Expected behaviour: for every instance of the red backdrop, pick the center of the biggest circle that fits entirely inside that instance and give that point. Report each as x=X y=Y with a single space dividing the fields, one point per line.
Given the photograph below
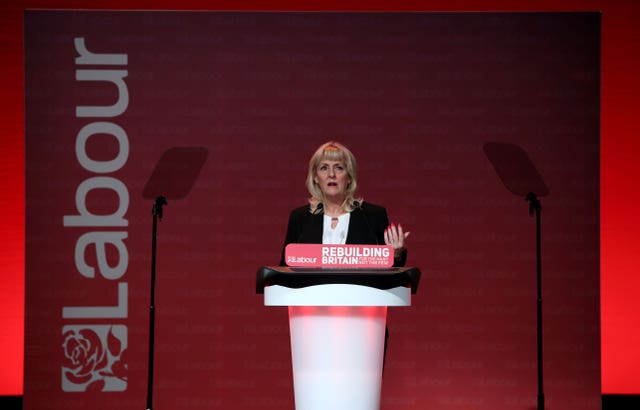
x=414 y=95
x=618 y=228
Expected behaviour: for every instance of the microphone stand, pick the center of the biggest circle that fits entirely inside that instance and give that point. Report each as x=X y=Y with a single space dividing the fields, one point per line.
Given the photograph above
x=535 y=207
x=157 y=214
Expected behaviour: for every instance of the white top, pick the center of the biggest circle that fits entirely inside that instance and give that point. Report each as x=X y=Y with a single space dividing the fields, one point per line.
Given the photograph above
x=337 y=235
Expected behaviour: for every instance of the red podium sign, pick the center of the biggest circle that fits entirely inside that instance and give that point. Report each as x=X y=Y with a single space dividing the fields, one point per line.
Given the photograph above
x=338 y=256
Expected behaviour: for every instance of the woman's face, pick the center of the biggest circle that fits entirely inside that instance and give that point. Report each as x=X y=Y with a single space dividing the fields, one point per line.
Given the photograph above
x=333 y=179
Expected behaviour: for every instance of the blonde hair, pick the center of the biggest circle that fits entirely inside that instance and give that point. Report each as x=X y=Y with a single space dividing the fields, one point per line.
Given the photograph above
x=332 y=151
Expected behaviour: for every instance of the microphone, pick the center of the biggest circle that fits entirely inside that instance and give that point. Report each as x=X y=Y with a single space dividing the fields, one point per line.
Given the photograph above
x=318 y=208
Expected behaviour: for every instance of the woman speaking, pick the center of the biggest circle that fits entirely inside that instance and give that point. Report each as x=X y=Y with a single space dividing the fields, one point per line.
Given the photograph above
x=334 y=215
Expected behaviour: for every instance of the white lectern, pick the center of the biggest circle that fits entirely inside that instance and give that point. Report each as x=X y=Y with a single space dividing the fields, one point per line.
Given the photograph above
x=337 y=320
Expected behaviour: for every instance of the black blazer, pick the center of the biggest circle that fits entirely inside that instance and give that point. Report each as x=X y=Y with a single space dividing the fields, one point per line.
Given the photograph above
x=366 y=227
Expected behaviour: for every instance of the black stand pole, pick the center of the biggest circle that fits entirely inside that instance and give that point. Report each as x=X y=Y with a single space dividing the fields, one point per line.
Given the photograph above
x=157 y=214
x=534 y=206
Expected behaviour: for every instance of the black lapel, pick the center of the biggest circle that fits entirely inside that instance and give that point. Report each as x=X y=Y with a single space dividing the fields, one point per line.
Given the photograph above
x=358 y=233
x=312 y=232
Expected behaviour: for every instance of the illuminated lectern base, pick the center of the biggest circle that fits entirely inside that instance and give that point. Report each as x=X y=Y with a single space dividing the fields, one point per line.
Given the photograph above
x=337 y=331
x=337 y=356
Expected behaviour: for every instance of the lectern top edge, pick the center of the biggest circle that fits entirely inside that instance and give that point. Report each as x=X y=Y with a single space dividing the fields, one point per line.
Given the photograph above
x=299 y=278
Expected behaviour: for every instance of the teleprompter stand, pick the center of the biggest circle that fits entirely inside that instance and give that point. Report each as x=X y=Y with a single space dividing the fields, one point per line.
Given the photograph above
x=521 y=177
x=157 y=214
x=173 y=178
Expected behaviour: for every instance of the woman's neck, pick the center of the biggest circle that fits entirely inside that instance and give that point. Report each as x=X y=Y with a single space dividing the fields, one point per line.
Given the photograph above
x=333 y=208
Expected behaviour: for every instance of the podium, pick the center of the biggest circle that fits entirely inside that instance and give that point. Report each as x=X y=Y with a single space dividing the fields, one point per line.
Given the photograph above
x=337 y=321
